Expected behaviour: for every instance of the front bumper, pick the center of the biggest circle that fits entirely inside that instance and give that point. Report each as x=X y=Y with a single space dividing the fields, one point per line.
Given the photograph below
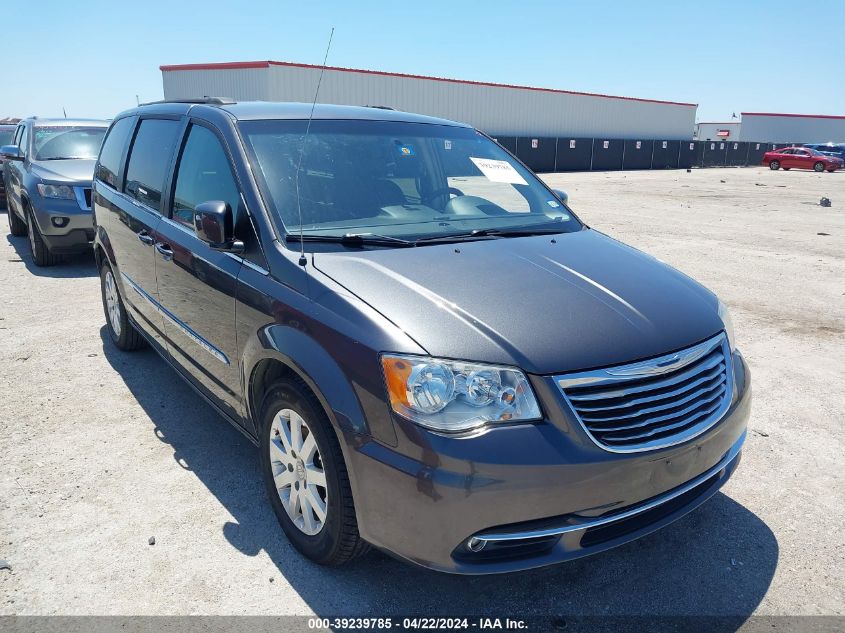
x=534 y=494
x=76 y=235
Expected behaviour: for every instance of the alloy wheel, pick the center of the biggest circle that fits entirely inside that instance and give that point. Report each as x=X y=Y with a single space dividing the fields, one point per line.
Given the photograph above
x=112 y=303
x=30 y=226
x=298 y=471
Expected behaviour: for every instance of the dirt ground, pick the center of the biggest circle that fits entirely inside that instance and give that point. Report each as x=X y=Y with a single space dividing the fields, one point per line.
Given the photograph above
x=102 y=450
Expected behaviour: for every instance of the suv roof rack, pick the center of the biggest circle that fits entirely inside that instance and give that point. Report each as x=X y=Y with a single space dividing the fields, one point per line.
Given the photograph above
x=198 y=100
x=380 y=107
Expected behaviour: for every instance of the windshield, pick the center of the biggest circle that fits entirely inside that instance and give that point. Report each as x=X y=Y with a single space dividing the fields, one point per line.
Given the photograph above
x=65 y=141
x=6 y=137
x=396 y=179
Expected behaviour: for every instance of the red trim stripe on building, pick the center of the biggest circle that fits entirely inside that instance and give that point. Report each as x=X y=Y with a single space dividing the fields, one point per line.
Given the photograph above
x=267 y=64
x=799 y=116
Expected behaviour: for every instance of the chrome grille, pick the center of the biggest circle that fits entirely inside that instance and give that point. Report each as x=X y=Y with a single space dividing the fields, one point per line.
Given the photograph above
x=655 y=403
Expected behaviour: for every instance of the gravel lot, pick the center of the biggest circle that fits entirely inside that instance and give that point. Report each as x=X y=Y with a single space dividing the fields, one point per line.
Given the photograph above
x=102 y=450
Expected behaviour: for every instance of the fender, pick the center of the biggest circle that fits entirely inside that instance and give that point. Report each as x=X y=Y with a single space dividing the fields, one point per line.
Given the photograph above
x=314 y=365
x=103 y=246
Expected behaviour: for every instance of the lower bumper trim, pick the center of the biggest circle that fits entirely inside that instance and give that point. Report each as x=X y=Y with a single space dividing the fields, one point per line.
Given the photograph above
x=493 y=536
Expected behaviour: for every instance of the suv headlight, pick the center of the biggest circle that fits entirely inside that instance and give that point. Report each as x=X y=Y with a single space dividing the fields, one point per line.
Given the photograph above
x=725 y=315
x=55 y=191
x=453 y=396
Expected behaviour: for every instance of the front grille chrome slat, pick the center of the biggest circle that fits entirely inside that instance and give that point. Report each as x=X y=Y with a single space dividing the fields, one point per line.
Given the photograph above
x=714 y=373
x=619 y=392
x=654 y=403
x=694 y=415
x=696 y=396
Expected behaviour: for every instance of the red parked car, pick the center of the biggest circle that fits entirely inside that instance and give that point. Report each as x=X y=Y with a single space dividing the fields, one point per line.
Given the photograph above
x=801 y=158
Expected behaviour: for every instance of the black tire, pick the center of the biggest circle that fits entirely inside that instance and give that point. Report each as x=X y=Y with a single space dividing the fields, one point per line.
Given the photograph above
x=774 y=165
x=128 y=339
x=338 y=541
x=41 y=255
x=819 y=166
x=17 y=227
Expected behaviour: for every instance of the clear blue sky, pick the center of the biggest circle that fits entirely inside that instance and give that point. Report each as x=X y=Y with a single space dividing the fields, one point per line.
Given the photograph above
x=93 y=57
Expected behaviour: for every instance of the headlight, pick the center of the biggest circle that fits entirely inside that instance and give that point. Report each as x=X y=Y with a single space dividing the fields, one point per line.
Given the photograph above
x=728 y=323
x=55 y=191
x=447 y=395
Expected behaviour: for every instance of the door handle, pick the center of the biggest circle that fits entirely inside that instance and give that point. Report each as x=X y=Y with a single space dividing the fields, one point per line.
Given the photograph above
x=164 y=250
x=145 y=237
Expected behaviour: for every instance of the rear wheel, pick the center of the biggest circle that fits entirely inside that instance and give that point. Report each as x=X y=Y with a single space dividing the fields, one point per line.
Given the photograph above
x=122 y=332
x=41 y=254
x=17 y=227
x=306 y=478
x=819 y=166
x=774 y=165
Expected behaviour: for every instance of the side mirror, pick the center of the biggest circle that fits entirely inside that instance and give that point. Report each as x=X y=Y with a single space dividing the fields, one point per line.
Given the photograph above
x=561 y=195
x=11 y=152
x=213 y=224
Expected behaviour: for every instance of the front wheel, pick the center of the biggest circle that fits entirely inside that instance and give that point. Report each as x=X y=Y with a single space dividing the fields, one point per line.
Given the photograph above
x=774 y=165
x=17 y=227
x=41 y=254
x=819 y=166
x=306 y=478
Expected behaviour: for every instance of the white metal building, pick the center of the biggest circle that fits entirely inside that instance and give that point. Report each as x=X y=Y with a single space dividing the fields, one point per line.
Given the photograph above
x=716 y=131
x=498 y=109
x=792 y=128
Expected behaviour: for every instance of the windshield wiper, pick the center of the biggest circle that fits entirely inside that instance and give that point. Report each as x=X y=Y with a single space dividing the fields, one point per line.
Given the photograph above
x=351 y=239
x=477 y=233
x=65 y=158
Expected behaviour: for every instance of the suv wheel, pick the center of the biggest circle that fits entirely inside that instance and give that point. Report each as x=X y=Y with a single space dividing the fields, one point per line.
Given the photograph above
x=122 y=332
x=17 y=227
x=41 y=254
x=306 y=477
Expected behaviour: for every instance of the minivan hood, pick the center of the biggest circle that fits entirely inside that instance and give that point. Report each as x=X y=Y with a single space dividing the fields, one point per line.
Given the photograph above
x=547 y=304
x=77 y=170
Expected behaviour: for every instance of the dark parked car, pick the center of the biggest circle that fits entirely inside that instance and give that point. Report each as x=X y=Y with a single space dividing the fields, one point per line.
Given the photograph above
x=47 y=171
x=6 y=134
x=837 y=150
x=800 y=158
x=432 y=353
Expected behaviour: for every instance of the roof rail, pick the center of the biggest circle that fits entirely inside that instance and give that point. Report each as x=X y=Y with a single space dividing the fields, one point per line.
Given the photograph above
x=198 y=100
x=380 y=107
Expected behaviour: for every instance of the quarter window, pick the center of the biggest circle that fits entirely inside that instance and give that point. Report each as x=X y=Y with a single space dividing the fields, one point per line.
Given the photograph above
x=204 y=174
x=108 y=166
x=147 y=169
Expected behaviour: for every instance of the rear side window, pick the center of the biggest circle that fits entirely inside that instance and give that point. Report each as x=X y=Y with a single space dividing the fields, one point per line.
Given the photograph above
x=150 y=159
x=108 y=166
x=203 y=175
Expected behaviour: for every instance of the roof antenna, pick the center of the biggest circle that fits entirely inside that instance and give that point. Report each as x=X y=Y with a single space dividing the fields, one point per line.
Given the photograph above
x=64 y=111
x=302 y=260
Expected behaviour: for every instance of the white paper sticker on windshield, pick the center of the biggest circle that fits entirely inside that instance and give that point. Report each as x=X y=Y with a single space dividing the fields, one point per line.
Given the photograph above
x=498 y=171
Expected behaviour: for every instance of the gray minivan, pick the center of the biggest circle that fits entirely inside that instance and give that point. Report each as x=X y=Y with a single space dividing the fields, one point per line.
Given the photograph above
x=433 y=354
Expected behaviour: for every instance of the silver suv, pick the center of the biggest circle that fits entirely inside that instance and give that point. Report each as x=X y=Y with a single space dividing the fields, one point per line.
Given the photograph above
x=47 y=174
